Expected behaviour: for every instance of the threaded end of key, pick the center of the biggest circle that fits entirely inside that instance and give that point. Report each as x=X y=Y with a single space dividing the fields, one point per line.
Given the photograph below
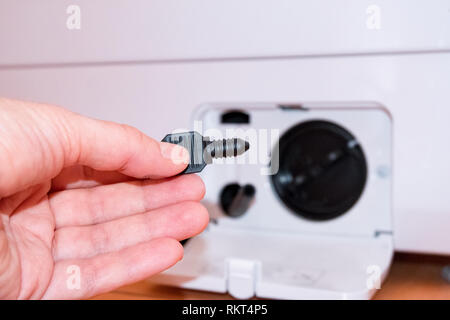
x=227 y=148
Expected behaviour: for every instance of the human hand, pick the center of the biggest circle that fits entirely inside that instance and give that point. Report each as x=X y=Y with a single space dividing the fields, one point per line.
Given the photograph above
x=72 y=199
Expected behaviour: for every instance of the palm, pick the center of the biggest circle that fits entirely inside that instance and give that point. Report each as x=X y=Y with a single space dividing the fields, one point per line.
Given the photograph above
x=30 y=229
x=96 y=230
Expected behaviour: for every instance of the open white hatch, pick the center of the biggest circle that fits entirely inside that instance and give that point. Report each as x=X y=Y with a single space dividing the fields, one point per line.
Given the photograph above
x=271 y=251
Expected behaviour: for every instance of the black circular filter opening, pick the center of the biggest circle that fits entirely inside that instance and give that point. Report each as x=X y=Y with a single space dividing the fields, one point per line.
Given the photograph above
x=322 y=170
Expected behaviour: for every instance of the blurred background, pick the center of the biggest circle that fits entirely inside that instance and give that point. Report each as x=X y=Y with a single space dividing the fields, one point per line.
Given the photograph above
x=152 y=64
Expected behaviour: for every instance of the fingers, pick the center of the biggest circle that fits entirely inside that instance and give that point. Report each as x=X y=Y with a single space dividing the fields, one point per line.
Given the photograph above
x=179 y=221
x=84 y=177
x=83 y=278
x=103 y=203
x=38 y=141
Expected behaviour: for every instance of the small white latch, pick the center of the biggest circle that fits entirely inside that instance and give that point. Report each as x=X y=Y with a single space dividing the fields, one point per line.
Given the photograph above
x=241 y=277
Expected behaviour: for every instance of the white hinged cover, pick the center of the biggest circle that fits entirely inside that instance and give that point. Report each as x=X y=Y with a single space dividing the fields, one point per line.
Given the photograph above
x=270 y=252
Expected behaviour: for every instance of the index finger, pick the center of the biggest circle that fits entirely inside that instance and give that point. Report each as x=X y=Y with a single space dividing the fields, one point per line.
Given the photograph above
x=110 y=146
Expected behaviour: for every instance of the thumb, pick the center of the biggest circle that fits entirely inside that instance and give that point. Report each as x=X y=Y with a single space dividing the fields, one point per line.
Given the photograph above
x=109 y=146
x=38 y=141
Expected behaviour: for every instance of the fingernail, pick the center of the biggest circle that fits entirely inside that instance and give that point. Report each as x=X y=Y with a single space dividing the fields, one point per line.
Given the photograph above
x=176 y=153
